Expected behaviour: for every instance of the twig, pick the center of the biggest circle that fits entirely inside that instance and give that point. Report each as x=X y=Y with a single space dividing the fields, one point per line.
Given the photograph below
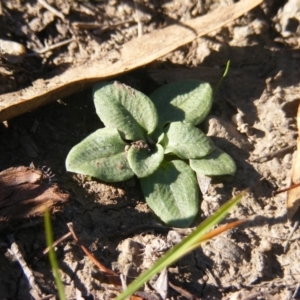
x=293 y=186
x=27 y=271
x=297 y=292
x=138 y=18
x=290 y=236
x=54 y=46
x=273 y=154
x=114 y=277
x=280 y=238
x=58 y=241
x=87 y=25
x=183 y=292
x=53 y=10
x=91 y=26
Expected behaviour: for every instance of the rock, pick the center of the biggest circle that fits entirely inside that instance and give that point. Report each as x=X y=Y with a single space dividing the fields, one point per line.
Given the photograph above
x=13 y=52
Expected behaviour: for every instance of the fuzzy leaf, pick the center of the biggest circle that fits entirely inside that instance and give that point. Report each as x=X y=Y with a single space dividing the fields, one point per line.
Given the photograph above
x=172 y=193
x=101 y=155
x=123 y=108
x=158 y=134
x=186 y=101
x=143 y=161
x=214 y=164
x=186 y=141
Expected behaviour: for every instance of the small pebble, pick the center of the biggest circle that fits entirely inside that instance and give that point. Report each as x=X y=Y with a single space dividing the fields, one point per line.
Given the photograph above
x=265 y=246
x=13 y=52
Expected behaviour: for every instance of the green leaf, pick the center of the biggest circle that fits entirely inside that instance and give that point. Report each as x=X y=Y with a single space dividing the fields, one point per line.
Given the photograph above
x=101 y=155
x=172 y=193
x=143 y=160
x=186 y=141
x=123 y=108
x=157 y=134
x=216 y=163
x=187 y=101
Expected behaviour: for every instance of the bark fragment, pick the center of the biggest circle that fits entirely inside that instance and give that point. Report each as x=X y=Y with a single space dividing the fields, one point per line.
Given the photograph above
x=25 y=193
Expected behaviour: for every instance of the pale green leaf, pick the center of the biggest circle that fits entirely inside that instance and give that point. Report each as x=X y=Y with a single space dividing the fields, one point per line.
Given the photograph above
x=144 y=161
x=172 y=193
x=186 y=141
x=101 y=155
x=186 y=101
x=214 y=164
x=123 y=108
x=157 y=134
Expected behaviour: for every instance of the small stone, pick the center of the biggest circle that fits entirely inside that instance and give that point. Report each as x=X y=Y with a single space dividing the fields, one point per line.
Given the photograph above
x=13 y=52
x=173 y=237
x=229 y=250
x=265 y=246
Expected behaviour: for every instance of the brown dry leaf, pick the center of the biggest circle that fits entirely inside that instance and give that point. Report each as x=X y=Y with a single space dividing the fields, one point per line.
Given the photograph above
x=136 y=298
x=293 y=195
x=25 y=193
x=136 y=53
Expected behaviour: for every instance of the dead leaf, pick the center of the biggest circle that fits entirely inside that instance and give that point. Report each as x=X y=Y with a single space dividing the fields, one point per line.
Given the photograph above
x=26 y=193
x=161 y=284
x=136 y=53
x=293 y=195
x=203 y=182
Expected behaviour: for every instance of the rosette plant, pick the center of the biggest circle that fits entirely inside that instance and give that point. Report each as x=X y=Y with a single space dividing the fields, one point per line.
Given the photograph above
x=154 y=138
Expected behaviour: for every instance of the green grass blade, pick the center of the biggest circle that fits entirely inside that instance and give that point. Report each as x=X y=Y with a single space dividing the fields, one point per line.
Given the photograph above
x=215 y=232
x=224 y=74
x=181 y=249
x=227 y=69
x=52 y=256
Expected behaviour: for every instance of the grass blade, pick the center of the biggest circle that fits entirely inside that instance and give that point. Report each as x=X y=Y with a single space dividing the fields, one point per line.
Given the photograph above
x=52 y=256
x=188 y=244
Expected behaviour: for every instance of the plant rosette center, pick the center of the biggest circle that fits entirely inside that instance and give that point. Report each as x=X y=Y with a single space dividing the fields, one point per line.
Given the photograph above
x=156 y=139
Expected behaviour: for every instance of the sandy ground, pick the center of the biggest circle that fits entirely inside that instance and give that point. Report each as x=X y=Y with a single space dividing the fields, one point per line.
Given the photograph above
x=256 y=261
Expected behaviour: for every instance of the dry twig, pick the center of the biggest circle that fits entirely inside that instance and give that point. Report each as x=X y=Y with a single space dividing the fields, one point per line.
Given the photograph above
x=27 y=271
x=187 y=295
x=58 y=241
x=112 y=276
x=138 y=18
x=275 y=153
x=54 y=46
x=52 y=9
x=296 y=225
x=103 y=28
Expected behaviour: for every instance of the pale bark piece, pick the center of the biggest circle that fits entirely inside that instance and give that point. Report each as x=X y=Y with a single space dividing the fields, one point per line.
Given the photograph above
x=293 y=195
x=136 y=53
